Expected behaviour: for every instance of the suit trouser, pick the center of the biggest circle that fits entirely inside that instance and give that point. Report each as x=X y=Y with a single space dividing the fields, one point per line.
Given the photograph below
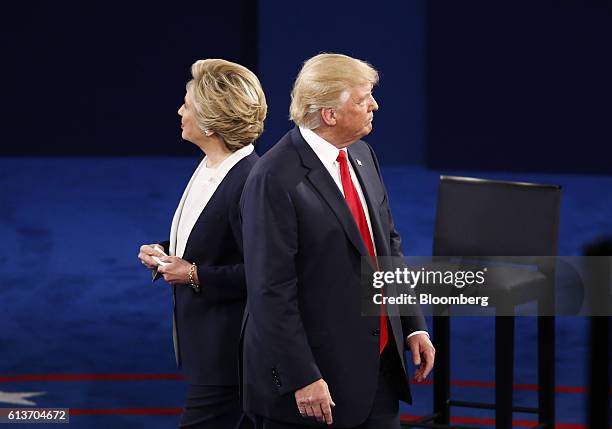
x=213 y=407
x=385 y=409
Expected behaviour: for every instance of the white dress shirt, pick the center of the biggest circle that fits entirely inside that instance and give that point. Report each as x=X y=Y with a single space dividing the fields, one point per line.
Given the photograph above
x=328 y=154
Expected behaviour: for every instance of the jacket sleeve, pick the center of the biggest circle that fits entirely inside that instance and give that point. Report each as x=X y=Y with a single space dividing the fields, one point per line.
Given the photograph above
x=270 y=240
x=226 y=282
x=166 y=245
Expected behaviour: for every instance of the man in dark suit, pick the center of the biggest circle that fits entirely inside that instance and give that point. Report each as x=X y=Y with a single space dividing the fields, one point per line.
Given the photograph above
x=312 y=211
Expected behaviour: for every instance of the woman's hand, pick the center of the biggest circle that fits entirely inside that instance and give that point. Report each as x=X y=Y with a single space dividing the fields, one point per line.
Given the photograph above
x=148 y=250
x=176 y=271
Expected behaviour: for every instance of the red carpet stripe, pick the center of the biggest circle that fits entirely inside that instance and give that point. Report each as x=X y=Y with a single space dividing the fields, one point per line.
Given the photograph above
x=115 y=411
x=405 y=418
x=491 y=422
x=89 y=377
x=491 y=385
x=143 y=377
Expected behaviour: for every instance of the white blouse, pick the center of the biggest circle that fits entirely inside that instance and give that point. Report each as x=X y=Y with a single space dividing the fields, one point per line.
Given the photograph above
x=197 y=194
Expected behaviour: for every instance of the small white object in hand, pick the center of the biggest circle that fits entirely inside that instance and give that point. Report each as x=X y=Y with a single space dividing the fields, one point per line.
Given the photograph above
x=156 y=259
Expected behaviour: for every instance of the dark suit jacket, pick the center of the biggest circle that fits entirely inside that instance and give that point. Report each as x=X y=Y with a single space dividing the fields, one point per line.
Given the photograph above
x=303 y=254
x=207 y=324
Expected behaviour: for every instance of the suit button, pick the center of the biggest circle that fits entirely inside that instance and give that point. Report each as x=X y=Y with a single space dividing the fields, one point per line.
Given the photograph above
x=376 y=332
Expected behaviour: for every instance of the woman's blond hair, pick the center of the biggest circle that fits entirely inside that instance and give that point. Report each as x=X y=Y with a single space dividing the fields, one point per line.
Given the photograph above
x=324 y=82
x=228 y=99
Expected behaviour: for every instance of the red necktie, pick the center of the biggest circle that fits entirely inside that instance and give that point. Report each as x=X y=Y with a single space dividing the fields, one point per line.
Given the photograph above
x=352 y=200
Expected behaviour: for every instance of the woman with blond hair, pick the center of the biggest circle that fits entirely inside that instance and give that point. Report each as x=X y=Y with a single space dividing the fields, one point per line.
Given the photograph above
x=222 y=114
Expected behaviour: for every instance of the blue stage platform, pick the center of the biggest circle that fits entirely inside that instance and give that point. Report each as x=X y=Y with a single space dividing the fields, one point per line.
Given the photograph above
x=80 y=316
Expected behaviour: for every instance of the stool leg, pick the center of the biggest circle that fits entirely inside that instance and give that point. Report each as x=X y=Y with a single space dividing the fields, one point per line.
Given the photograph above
x=599 y=398
x=504 y=371
x=546 y=370
x=441 y=328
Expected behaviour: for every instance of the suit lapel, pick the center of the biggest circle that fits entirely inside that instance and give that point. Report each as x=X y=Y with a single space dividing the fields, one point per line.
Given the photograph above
x=327 y=188
x=369 y=179
x=332 y=195
x=172 y=252
x=363 y=171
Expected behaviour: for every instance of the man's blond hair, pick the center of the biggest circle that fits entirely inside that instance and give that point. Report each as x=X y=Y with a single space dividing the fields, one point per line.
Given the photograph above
x=324 y=82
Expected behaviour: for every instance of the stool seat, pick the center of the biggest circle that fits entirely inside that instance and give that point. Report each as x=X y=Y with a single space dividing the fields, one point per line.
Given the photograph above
x=514 y=286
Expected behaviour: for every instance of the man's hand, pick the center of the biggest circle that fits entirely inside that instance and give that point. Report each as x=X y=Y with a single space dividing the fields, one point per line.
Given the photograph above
x=315 y=401
x=423 y=355
x=176 y=272
x=148 y=250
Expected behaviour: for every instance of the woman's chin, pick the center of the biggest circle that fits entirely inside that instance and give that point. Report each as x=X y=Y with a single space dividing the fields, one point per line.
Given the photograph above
x=184 y=136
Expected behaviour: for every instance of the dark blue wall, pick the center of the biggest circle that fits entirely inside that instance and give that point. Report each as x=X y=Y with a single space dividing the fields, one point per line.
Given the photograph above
x=107 y=77
x=389 y=37
x=464 y=85
x=519 y=86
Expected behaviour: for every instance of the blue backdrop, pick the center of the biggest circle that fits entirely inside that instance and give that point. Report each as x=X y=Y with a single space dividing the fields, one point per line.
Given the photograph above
x=519 y=86
x=481 y=85
x=390 y=38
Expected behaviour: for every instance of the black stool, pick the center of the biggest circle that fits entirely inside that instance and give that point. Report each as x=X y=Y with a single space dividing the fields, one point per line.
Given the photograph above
x=484 y=219
x=599 y=356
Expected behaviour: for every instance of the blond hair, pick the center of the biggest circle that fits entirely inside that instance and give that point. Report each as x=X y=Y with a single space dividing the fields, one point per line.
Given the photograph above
x=228 y=99
x=324 y=82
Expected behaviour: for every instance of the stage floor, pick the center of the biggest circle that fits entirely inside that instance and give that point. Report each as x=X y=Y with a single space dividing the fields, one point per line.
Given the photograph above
x=80 y=314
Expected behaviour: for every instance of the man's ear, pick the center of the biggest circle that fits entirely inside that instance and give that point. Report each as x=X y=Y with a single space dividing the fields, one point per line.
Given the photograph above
x=328 y=116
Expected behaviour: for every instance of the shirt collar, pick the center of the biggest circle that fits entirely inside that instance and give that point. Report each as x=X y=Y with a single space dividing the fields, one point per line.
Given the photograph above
x=327 y=152
x=221 y=171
